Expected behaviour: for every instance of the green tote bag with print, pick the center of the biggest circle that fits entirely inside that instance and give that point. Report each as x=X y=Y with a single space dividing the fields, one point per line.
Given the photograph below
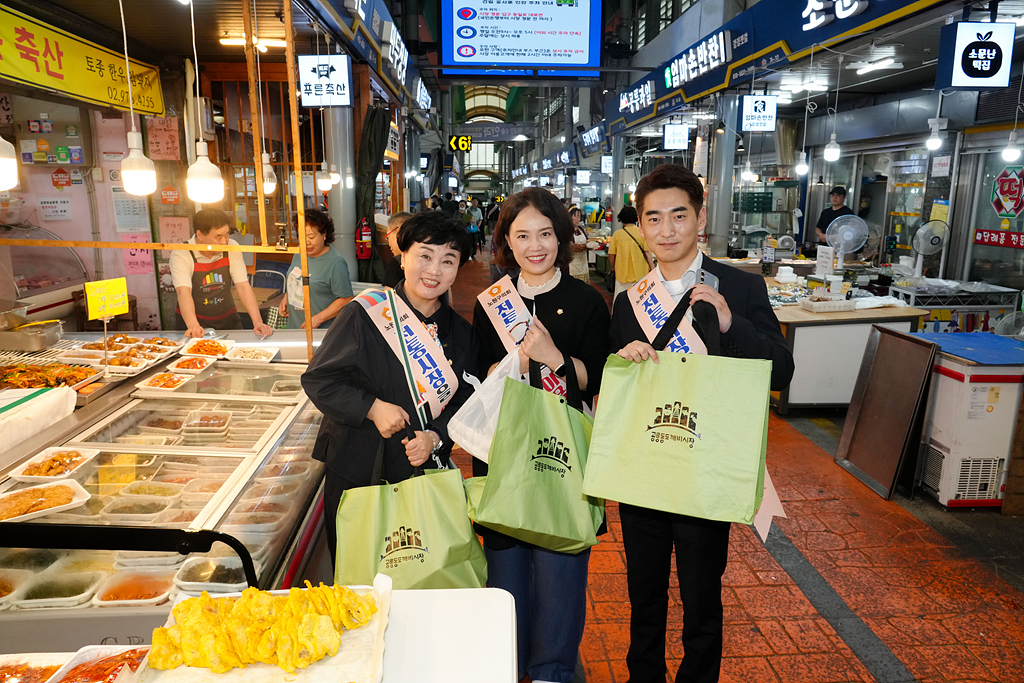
x=686 y=435
x=416 y=531
x=533 y=488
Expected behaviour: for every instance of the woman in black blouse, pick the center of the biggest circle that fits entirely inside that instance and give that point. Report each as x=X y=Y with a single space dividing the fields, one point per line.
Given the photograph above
x=535 y=233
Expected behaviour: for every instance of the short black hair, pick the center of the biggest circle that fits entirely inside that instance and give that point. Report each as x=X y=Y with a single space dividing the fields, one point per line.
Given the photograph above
x=322 y=222
x=551 y=207
x=210 y=219
x=839 y=190
x=447 y=195
x=627 y=215
x=435 y=227
x=574 y=211
x=668 y=177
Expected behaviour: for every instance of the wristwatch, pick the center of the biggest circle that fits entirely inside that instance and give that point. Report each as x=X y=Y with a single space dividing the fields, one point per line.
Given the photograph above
x=560 y=370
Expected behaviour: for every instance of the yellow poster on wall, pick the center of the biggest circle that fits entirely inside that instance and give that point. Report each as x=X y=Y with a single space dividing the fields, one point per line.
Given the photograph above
x=41 y=55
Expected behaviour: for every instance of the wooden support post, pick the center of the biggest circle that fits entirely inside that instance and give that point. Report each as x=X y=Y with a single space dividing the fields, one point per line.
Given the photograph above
x=254 y=127
x=293 y=101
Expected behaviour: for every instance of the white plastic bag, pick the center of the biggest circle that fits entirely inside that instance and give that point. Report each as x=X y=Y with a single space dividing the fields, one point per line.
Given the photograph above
x=472 y=427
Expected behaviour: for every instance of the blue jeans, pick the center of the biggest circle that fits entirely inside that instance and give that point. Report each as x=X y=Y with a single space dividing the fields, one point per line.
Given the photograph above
x=550 y=590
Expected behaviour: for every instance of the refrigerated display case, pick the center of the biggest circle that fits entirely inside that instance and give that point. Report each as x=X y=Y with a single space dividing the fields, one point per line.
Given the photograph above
x=41 y=278
x=226 y=453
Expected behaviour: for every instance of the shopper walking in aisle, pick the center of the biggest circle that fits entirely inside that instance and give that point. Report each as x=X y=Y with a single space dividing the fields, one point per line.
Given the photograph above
x=393 y=270
x=202 y=281
x=359 y=383
x=579 y=267
x=478 y=224
x=449 y=205
x=628 y=256
x=329 y=285
x=535 y=233
x=670 y=204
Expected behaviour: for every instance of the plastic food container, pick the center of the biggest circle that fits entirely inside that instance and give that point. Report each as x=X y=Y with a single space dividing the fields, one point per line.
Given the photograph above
x=184 y=364
x=201 y=490
x=293 y=471
x=239 y=411
x=152 y=489
x=125 y=460
x=10 y=581
x=252 y=354
x=134 y=509
x=86 y=453
x=190 y=348
x=286 y=387
x=280 y=504
x=30 y=559
x=176 y=477
x=81 y=357
x=83 y=563
x=164 y=381
x=93 y=653
x=178 y=518
x=53 y=590
x=163 y=425
x=270 y=490
x=207 y=422
x=147 y=558
x=148 y=439
x=135 y=588
x=85 y=513
x=78 y=497
x=214 y=574
x=253 y=522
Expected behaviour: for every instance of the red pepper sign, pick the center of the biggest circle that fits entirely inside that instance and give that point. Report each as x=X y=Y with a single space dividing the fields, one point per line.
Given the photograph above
x=1008 y=192
x=999 y=238
x=61 y=178
x=169 y=195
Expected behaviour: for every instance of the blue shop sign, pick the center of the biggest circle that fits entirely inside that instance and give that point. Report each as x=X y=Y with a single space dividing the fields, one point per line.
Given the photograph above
x=770 y=33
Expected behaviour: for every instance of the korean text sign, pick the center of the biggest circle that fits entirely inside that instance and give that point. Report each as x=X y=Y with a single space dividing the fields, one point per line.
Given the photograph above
x=326 y=81
x=37 y=54
x=106 y=298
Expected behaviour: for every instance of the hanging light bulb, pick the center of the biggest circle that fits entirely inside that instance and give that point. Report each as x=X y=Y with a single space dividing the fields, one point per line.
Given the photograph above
x=934 y=142
x=349 y=181
x=1012 y=151
x=832 y=149
x=323 y=178
x=204 y=182
x=335 y=176
x=747 y=174
x=801 y=165
x=138 y=174
x=269 y=177
x=8 y=165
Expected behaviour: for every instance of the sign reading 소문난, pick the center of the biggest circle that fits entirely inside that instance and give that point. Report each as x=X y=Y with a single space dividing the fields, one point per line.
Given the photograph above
x=975 y=55
x=43 y=56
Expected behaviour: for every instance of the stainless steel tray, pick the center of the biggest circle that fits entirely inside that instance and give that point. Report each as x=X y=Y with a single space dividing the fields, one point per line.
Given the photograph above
x=31 y=339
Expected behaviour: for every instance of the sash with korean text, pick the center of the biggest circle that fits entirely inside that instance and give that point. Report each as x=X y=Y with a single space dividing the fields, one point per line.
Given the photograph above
x=652 y=305
x=436 y=381
x=511 y=319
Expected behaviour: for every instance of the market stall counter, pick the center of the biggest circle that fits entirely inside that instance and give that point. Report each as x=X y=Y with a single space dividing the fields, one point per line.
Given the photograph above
x=828 y=348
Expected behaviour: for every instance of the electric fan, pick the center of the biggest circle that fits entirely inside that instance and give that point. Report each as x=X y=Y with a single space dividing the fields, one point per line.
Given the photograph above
x=846 y=235
x=928 y=240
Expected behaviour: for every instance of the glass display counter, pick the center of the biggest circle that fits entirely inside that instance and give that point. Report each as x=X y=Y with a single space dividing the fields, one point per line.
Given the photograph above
x=237 y=464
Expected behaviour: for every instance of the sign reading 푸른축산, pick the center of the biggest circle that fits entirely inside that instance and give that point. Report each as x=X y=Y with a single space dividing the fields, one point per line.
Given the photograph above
x=40 y=55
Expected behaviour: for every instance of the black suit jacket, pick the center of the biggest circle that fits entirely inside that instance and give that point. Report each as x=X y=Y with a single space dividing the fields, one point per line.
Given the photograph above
x=754 y=332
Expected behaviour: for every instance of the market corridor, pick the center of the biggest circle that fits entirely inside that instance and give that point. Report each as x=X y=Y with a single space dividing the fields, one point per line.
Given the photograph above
x=850 y=587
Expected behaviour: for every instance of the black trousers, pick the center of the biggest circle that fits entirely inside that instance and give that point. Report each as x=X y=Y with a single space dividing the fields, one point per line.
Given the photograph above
x=334 y=486
x=702 y=551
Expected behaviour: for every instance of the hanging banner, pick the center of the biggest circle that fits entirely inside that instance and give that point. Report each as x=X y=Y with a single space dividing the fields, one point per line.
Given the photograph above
x=40 y=55
x=1008 y=192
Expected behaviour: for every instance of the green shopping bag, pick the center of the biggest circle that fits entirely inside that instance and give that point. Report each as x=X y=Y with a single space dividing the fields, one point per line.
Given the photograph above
x=416 y=531
x=533 y=488
x=687 y=435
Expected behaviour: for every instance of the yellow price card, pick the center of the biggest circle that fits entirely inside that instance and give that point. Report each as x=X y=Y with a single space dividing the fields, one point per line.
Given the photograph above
x=106 y=298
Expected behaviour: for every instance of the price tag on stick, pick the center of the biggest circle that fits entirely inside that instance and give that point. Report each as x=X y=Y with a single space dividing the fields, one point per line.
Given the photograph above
x=106 y=298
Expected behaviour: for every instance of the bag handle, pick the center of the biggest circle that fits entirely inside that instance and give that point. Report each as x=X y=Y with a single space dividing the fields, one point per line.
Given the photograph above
x=705 y=317
x=572 y=383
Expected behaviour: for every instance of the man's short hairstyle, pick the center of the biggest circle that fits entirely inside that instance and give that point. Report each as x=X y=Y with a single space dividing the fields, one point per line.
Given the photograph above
x=550 y=207
x=448 y=195
x=839 y=190
x=323 y=224
x=627 y=215
x=210 y=219
x=668 y=177
x=397 y=219
x=435 y=227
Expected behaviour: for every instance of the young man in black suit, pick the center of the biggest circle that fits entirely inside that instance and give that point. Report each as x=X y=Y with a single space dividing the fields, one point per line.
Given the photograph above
x=670 y=203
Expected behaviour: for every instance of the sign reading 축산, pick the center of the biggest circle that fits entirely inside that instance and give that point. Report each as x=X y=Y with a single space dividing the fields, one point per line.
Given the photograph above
x=37 y=54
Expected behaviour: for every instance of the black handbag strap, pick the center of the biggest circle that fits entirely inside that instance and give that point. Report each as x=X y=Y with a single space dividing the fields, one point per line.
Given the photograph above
x=377 y=478
x=572 y=383
x=642 y=252
x=705 y=321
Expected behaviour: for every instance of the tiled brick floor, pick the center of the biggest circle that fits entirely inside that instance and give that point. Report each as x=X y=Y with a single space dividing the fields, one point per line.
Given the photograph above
x=945 y=617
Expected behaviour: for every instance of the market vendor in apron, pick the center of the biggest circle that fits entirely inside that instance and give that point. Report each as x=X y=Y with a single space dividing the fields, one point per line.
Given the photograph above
x=203 y=280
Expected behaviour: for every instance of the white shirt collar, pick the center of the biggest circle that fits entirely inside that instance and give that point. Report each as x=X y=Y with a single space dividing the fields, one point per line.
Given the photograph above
x=676 y=288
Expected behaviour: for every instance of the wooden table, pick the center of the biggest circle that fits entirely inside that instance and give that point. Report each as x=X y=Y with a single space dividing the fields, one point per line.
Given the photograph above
x=828 y=349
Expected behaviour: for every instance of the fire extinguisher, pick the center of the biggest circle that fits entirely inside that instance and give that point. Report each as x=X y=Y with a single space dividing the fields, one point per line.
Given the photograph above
x=364 y=236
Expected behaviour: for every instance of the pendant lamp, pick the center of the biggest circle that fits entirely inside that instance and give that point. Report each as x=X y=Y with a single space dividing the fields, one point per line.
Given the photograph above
x=335 y=176
x=323 y=178
x=8 y=165
x=269 y=177
x=138 y=174
x=801 y=165
x=203 y=183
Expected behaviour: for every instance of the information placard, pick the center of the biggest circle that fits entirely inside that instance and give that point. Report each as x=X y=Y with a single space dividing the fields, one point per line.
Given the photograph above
x=106 y=298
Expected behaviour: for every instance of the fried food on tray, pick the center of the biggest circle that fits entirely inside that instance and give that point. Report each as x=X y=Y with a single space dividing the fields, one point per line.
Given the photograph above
x=109 y=344
x=123 y=360
x=192 y=363
x=26 y=673
x=291 y=631
x=160 y=341
x=27 y=501
x=166 y=380
x=124 y=339
x=59 y=463
x=42 y=376
x=207 y=347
